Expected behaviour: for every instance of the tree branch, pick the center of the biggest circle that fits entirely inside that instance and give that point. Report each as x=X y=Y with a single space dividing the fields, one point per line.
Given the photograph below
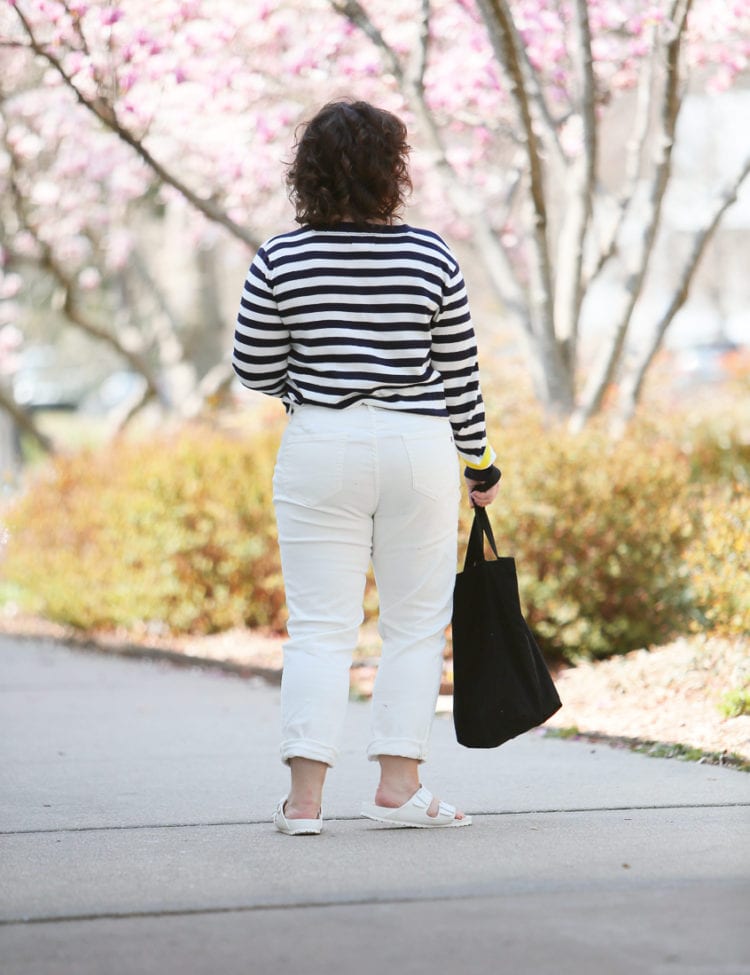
x=570 y=252
x=105 y=113
x=122 y=415
x=48 y=262
x=25 y=422
x=604 y=369
x=632 y=383
x=214 y=384
x=633 y=159
x=356 y=14
x=99 y=332
x=539 y=109
x=424 y=47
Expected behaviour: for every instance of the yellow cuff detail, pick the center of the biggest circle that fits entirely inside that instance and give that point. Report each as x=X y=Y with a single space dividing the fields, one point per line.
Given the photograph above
x=488 y=459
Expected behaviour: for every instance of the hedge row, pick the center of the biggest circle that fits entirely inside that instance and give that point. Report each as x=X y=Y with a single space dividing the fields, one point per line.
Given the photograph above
x=618 y=545
x=178 y=530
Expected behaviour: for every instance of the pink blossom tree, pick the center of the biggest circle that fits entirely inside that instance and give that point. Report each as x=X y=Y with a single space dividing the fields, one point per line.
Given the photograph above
x=112 y=111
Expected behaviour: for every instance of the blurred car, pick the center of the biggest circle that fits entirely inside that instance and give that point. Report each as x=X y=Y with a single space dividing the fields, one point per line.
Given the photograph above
x=119 y=387
x=710 y=362
x=43 y=381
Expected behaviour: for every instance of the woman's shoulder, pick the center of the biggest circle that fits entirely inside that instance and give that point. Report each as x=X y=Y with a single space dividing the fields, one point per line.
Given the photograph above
x=425 y=232
x=282 y=245
x=285 y=238
x=433 y=240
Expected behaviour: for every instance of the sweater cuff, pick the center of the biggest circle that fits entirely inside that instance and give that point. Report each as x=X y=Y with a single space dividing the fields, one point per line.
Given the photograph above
x=486 y=460
x=484 y=480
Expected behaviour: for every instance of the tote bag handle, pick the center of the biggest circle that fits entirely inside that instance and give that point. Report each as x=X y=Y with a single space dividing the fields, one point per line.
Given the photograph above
x=479 y=529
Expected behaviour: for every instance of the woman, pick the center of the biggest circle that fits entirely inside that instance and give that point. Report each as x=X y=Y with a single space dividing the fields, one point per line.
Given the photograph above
x=360 y=325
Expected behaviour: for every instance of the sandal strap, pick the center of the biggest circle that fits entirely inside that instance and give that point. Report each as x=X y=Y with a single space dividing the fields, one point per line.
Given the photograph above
x=421 y=798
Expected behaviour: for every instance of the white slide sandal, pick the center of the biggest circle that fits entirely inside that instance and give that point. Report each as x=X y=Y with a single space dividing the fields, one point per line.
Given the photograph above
x=296 y=827
x=414 y=813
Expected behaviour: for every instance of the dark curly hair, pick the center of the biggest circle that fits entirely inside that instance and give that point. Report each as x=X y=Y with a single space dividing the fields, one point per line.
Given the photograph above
x=350 y=164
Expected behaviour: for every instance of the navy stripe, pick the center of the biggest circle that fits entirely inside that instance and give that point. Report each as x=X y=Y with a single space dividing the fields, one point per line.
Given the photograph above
x=349 y=273
x=401 y=362
x=355 y=290
x=310 y=341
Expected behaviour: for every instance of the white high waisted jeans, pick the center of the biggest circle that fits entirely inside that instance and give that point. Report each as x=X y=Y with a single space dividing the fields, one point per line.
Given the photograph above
x=354 y=486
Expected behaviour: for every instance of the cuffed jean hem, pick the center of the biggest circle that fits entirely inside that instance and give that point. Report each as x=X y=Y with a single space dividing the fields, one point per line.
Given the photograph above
x=399 y=747
x=316 y=751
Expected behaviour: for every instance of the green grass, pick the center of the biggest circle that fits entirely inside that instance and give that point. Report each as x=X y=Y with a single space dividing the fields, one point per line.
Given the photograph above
x=656 y=749
x=11 y=593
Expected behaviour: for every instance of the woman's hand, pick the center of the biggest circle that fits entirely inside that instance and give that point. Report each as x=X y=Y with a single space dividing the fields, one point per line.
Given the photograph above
x=481 y=498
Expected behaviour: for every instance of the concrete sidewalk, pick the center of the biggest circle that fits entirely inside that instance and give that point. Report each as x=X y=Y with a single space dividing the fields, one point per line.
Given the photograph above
x=135 y=807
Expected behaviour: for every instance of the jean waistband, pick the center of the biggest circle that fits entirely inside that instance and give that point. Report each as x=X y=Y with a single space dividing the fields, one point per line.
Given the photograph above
x=366 y=418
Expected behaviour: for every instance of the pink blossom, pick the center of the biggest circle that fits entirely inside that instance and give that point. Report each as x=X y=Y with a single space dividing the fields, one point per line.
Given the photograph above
x=89 y=278
x=75 y=62
x=216 y=98
x=127 y=80
x=10 y=285
x=24 y=244
x=111 y=15
x=119 y=243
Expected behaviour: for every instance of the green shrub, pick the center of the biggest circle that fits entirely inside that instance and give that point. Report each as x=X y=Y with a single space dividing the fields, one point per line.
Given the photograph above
x=718 y=450
x=735 y=703
x=177 y=530
x=718 y=561
x=598 y=529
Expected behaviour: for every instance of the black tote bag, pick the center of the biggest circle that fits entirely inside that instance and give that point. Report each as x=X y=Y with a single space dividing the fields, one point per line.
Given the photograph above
x=501 y=684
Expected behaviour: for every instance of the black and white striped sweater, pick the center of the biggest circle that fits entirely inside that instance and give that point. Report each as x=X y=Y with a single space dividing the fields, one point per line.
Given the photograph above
x=372 y=315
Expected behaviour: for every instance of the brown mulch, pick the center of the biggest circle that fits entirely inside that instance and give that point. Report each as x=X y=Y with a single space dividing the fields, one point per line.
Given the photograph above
x=671 y=694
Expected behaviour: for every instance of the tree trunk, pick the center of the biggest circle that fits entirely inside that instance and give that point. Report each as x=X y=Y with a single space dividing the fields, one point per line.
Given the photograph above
x=557 y=382
x=606 y=365
x=578 y=211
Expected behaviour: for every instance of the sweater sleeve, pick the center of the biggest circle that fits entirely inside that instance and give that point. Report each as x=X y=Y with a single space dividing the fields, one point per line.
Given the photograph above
x=261 y=340
x=454 y=356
